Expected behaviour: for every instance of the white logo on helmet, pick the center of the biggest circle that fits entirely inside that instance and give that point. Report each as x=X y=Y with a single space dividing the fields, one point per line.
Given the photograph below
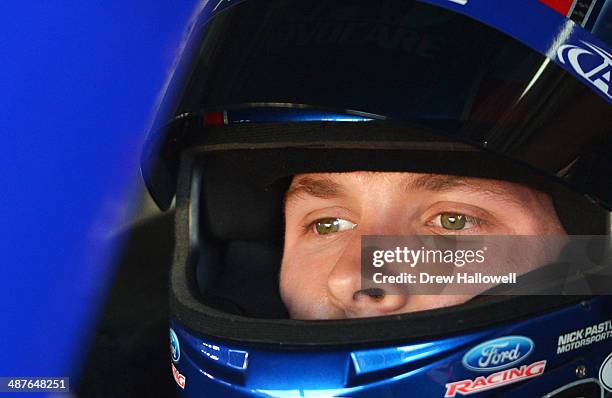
x=592 y=63
x=605 y=373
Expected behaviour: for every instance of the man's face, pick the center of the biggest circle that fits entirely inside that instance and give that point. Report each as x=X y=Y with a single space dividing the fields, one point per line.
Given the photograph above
x=326 y=214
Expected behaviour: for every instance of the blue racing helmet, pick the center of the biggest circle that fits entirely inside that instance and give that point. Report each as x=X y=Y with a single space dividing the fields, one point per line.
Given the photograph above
x=279 y=88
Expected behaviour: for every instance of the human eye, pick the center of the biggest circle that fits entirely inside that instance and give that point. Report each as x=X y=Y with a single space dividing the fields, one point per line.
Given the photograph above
x=456 y=222
x=327 y=226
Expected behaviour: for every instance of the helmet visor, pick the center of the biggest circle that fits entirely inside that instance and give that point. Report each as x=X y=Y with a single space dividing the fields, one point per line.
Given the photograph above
x=408 y=61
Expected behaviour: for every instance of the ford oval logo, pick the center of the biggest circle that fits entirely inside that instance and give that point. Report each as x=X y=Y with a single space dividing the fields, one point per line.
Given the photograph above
x=498 y=354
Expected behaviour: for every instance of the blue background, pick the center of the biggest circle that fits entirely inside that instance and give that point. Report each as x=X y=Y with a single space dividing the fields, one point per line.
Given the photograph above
x=80 y=84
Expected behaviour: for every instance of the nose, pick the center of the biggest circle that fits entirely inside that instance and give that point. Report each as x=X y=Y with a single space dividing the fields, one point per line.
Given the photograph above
x=345 y=287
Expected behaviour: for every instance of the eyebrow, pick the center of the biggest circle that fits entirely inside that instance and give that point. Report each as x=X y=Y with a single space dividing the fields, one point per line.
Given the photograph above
x=445 y=183
x=435 y=183
x=323 y=188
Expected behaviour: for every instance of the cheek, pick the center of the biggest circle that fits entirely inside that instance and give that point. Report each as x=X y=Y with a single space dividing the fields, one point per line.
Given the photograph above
x=529 y=253
x=302 y=283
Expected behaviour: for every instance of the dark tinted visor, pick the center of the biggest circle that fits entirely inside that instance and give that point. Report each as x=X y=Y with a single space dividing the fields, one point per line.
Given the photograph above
x=411 y=62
